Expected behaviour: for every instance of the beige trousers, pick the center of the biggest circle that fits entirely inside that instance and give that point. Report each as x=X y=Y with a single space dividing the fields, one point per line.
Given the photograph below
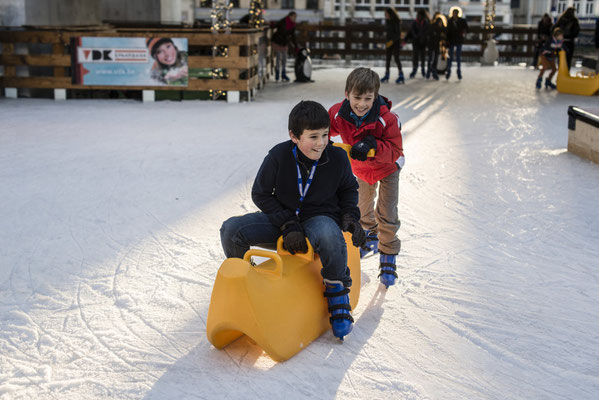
x=383 y=218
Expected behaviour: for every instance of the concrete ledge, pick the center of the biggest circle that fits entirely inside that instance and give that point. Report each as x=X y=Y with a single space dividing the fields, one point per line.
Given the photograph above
x=583 y=133
x=11 y=93
x=233 y=96
x=148 y=96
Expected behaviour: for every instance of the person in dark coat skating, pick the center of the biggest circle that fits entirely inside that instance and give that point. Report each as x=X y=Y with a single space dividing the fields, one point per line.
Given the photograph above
x=568 y=23
x=418 y=36
x=543 y=33
x=282 y=38
x=393 y=43
x=434 y=35
x=457 y=27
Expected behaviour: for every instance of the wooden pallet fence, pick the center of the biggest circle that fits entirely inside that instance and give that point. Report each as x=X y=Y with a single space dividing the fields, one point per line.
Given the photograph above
x=362 y=41
x=241 y=62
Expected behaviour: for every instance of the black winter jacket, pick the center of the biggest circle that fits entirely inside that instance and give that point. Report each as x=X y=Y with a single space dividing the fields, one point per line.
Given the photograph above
x=393 y=30
x=569 y=26
x=284 y=33
x=333 y=192
x=434 y=35
x=418 y=32
x=456 y=30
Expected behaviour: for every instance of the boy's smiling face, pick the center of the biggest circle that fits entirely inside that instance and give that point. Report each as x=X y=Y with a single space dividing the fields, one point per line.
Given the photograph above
x=360 y=103
x=312 y=142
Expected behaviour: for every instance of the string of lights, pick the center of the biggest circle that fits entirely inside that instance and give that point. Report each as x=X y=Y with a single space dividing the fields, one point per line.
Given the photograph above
x=490 y=14
x=221 y=23
x=256 y=14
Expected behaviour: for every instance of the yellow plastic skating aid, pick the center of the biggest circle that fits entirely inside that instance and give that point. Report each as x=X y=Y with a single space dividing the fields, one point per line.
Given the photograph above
x=279 y=303
x=585 y=85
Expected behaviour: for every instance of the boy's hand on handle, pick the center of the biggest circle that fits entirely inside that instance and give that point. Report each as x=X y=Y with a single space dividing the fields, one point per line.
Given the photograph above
x=349 y=224
x=359 y=151
x=294 y=240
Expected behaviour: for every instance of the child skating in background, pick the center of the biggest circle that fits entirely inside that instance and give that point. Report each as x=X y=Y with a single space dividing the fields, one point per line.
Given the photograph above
x=305 y=188
x=365 y=121
x=549 y=53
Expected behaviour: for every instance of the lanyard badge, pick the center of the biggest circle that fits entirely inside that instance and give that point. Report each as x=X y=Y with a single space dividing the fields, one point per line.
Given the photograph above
x=303 y=190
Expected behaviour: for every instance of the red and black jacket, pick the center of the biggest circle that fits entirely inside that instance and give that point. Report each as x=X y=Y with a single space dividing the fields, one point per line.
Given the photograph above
x=381 y=123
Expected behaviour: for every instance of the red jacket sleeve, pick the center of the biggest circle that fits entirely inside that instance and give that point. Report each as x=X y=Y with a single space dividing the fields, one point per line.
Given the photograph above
x=334 y=130
x=389 y=145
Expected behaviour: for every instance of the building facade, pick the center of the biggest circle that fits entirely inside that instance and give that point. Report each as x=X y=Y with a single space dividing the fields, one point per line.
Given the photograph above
x=315 y=11
x=531 y=11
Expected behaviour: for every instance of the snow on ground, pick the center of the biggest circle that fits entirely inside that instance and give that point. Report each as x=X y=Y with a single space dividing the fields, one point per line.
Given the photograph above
x=109 y=246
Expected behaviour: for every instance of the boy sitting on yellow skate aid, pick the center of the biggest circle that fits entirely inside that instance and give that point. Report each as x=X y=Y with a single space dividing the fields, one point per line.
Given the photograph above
x=305 y=188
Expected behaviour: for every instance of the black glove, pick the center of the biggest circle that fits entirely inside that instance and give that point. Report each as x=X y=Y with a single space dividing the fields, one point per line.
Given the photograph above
x=349 y=224
x=359 y=151
x=294 y=240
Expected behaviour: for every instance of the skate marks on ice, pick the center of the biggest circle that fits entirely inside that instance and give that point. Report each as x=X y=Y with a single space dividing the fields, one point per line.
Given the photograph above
x=325 y=369
x=503 y=263
x=121 y=321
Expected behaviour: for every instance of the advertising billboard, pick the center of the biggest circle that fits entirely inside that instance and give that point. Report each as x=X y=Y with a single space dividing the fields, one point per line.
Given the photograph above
x=117 y=61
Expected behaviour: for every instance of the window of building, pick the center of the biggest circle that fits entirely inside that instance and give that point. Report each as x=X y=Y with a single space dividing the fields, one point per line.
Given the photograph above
x=589 y=8
x=206 y=3
x=312 y=5
x=288 y=4
x=561 y=6
x=577 y=6
x=474 y=18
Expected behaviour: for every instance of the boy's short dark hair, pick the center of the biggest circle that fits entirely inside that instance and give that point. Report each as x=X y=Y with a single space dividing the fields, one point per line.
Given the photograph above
x=308 y=114
x=362 y=80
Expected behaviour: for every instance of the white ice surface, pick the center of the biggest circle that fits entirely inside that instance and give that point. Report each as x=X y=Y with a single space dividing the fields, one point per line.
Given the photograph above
x=109 y=245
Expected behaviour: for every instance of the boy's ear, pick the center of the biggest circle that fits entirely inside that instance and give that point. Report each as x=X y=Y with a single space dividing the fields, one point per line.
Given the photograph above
x=293 y=138
x=347 y=95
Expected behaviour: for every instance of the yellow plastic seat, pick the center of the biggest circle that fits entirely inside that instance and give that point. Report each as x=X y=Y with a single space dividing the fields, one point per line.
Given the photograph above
x=279 y=303
x=586 y=85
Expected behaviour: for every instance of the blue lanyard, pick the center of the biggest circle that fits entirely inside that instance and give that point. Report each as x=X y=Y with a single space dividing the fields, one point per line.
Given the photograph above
x=303 y=190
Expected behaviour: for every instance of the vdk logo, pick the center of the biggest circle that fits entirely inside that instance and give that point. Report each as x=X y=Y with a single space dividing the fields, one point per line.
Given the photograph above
x=95 y=55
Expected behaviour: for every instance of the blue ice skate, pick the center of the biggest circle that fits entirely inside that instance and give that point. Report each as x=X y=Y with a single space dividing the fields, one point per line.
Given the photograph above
x=548 y=84
x=539 y=82
x=387 y=267
x=338 y=300
x=400 y=78
x=385 y=78
x=372 y=244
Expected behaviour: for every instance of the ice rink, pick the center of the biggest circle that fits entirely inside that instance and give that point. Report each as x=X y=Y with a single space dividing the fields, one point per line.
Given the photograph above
x=109 y=245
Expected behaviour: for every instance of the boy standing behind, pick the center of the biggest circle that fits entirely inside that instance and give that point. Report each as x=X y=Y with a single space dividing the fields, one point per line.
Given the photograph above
x=365 y=121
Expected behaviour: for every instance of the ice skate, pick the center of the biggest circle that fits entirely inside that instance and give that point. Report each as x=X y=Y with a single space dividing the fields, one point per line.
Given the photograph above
x=338 y=300
x=400 y=78
x=387 y=273
x=385 y=78
x=372 y=244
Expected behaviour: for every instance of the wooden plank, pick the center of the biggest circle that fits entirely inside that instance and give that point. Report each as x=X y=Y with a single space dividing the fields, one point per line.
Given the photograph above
x=8 y=50
x=58 y=50
x=30 y=37
x=193 y=39
x=218 y=62
x=65 y=83
x=44 y=60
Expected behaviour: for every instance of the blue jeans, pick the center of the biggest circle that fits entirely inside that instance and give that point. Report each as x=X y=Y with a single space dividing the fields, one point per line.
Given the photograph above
x=237 y=234
x=458 y=57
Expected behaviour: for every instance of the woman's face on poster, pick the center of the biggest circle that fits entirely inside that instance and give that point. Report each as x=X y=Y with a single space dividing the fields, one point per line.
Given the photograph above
x=166 y=54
